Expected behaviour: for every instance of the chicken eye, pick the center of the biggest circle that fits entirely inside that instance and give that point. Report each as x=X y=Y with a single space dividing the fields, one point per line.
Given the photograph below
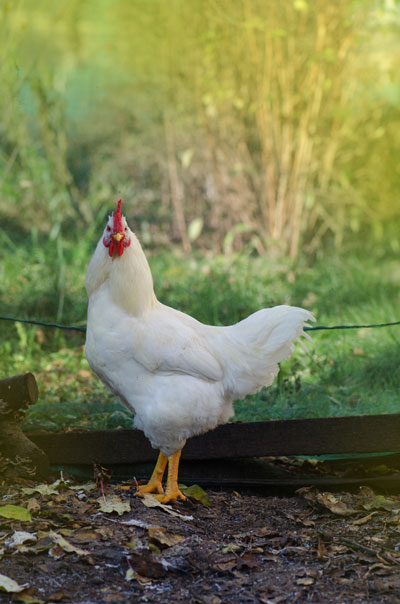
x=108 y=228
x=126 y=228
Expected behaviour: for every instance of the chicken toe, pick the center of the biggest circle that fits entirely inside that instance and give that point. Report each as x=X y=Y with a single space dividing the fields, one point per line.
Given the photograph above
x=155 y=483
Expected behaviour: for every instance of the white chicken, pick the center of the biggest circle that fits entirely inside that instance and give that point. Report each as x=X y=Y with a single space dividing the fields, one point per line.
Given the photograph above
x=178 y=375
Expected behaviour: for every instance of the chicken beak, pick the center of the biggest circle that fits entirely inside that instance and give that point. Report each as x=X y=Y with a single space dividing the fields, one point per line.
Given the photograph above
x=117 y=237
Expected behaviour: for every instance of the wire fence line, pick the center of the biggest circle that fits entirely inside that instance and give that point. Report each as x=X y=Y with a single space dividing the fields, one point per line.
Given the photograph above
x=83 y=329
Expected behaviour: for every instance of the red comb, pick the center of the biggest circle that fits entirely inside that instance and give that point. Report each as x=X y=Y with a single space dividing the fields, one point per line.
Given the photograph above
x=117 y=226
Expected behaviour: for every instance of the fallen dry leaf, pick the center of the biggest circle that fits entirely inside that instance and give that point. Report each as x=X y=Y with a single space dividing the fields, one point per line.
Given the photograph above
x=42 y=489
x=305 y=581
x=65 y=545
x=113 y=503
x=151 y=502
x=20 y=537
x=364 y=519
x=89 y=486
x=146 y=564
x=10 y=586
x=28 y=597
x=33 y=505
x=130 y=574
x=334 y=504
x=248 y=560
x=164 y=538
x=326 y=499
x=224 y=563
x=58 y=595
x=87 y=536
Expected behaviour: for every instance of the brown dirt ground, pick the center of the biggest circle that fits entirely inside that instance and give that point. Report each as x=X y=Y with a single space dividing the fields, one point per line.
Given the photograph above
x=244 y=547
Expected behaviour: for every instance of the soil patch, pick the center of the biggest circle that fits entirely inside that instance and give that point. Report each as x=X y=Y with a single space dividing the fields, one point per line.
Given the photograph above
x=83 y=547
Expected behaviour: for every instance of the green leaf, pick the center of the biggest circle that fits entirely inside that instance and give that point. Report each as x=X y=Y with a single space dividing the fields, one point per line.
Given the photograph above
x=197 y=493
x=15 y=512
x=380 y=502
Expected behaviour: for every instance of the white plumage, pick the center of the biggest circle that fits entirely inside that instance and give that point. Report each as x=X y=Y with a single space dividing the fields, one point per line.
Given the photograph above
x=178 y=375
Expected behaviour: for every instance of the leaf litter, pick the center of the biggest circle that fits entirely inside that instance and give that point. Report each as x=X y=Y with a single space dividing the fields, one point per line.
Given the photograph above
x=85 y=543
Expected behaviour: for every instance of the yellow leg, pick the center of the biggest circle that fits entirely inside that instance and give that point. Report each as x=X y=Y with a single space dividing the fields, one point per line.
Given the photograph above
x=155 y=483
x=172 y=493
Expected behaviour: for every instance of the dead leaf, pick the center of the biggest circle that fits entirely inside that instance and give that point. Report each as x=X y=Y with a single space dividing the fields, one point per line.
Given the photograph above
x=151 y=502
x=231 y=548
x=334 y=504
x=10 y=586
x=164 y=538
x=89 y=486
x=56 y=552
x=65 y=545
x=305 y=581
x=130 y=574
x=113 y=503
x=248 y=560
x=20 y=537
x=225 y=562
x=364 y=519
x=43 y=489
x=327 y=500
x=87 y=536
x=146 y=564
x=57 y=596
x=28 y=597
x=322 y=551
x=33 y=505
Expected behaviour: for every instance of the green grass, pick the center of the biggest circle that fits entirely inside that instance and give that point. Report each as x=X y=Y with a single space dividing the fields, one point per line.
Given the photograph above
x=339 y=373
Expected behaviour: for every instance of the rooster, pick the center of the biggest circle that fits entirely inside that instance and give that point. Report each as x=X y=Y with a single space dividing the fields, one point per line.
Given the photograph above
x=177 y=375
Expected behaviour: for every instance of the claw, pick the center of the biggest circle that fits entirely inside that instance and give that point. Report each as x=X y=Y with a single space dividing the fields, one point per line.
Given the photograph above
x=172 y=492
x=171 y=496
x=150 y=487
x=154 y=485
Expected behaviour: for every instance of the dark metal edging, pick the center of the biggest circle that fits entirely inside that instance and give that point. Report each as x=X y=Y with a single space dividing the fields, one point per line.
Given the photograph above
x=334 y=435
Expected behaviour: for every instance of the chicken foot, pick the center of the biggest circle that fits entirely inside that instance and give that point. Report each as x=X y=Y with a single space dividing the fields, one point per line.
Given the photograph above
x=172 y=492
x=155 y=483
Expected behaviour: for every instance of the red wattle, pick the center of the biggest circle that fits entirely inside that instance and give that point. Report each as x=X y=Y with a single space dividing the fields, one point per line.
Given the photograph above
x=111 y=249
x=121 y=247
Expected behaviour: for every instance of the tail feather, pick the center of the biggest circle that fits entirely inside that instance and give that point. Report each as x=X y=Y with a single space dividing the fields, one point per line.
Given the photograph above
x=260 y=342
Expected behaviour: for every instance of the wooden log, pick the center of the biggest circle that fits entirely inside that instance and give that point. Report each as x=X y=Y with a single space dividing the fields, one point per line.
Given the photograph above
x=19 y=457
x=17 y=392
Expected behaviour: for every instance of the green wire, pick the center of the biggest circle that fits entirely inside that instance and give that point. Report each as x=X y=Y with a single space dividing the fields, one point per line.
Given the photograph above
x=43 y=324
x=319 y=328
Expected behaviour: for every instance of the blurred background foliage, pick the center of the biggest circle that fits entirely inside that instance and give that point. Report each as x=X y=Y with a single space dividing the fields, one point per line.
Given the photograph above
x=224 y=123
x=256 y=146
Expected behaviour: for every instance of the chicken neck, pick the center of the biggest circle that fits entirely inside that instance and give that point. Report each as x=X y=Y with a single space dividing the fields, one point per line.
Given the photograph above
x=128 y=278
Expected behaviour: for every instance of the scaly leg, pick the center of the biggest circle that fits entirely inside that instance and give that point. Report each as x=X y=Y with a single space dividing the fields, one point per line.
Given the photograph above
x=172 y=492
x=155 y=482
